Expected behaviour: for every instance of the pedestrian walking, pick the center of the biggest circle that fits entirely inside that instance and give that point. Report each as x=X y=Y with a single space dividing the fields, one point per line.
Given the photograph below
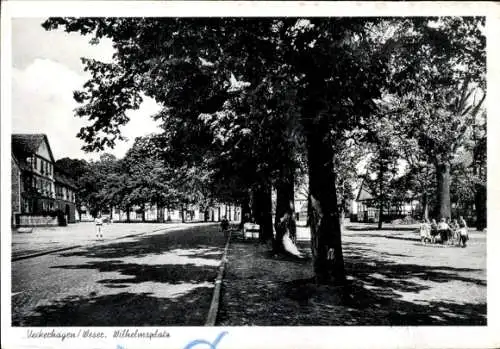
x=98 y=227
x=224 y=226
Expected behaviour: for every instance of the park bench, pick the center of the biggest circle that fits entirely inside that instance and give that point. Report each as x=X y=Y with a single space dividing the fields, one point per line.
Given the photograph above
x=251 y=231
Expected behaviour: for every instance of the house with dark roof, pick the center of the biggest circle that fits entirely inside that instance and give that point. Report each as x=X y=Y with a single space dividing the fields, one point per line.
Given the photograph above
x=39 y=190
x=367 y=210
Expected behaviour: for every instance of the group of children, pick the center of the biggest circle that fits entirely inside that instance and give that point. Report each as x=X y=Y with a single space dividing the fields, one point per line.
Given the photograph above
x=448 y=231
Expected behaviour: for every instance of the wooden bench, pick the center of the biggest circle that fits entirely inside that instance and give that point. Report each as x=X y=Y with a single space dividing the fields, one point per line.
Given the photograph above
x=251 y=231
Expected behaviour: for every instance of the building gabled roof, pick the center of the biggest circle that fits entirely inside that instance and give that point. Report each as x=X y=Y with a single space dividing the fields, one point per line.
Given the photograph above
x=364 y=193
x=29 y=143
x=64 y=179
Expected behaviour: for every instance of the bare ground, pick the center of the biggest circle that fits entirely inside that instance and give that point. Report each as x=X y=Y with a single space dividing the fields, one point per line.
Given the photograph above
x=394 y=280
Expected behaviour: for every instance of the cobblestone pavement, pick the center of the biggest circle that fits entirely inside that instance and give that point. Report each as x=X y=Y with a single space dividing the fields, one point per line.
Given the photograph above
x=163 y=278
x=394 y=281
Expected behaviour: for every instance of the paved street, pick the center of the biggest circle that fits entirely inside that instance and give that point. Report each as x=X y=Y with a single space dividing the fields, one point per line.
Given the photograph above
x=156 y=279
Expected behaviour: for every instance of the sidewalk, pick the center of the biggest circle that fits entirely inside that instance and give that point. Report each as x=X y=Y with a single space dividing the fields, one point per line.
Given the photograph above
x=44 y=239
x=394 y=280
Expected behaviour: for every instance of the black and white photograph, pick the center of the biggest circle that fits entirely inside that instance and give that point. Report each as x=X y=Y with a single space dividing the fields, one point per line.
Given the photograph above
x=233 y=171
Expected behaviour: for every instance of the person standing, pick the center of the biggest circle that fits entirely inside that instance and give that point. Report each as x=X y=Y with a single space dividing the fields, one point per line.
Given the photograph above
x=98 y=227
x=454 y=229
x=464 y=234
x=224 y=226
x=425 y=231
x=443 y=230
x=434 y=230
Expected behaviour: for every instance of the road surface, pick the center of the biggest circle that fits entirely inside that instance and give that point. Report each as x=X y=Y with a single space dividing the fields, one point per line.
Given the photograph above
x=157 y=279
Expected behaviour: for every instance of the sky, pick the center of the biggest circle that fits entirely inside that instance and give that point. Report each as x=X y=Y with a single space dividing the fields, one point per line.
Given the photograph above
x=46 y=69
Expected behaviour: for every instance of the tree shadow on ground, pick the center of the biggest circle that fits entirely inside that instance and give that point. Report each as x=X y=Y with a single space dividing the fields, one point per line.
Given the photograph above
x=123 y=309
x=371 y=228
x=204 y=237
x=380 y=292
x=199 y=248
x=397 y=237
x=137 y=273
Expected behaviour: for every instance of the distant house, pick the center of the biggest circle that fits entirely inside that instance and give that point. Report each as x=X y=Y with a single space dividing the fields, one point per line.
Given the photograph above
x=367 y=210
x=39 y=190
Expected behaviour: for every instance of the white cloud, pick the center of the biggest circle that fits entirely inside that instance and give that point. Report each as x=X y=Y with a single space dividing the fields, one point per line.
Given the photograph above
x=46 y=70
x=42 y=102
x=30 y=41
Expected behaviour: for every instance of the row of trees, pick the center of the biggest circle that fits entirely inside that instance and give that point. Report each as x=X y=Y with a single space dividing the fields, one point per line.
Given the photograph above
x=256 y=104
x=141 y=178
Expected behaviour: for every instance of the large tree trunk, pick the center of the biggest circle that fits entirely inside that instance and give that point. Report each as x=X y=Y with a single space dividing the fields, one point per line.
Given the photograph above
x=143 y=213
x=326 y=242
x=263 y=215
x=481 y=208
x=284 y=205
x=443 y=190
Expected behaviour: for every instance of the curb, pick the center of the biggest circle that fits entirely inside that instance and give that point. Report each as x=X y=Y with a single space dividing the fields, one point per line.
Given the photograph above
x=43 y=253
x=214 y=305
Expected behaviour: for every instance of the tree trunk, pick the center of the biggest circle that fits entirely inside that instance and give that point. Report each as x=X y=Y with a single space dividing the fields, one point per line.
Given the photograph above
x=284 y=205
x=183 y=218
x=309 y=211
x=425 y=207
x=128 y=214
x=263 y=215
x=326 y=242
x=218 y=214
x=245 y=210
x=143 y=213
x=168 y=213
x=382 y=170
x=481 y=208
x=380 y=215
x=443 y=190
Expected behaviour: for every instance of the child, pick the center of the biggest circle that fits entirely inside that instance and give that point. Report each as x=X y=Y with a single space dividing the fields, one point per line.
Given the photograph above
x=98 y=226
x=464 y=234
x=443 y=230
x=434 y=231
x=425 y=232
x=454 y=229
